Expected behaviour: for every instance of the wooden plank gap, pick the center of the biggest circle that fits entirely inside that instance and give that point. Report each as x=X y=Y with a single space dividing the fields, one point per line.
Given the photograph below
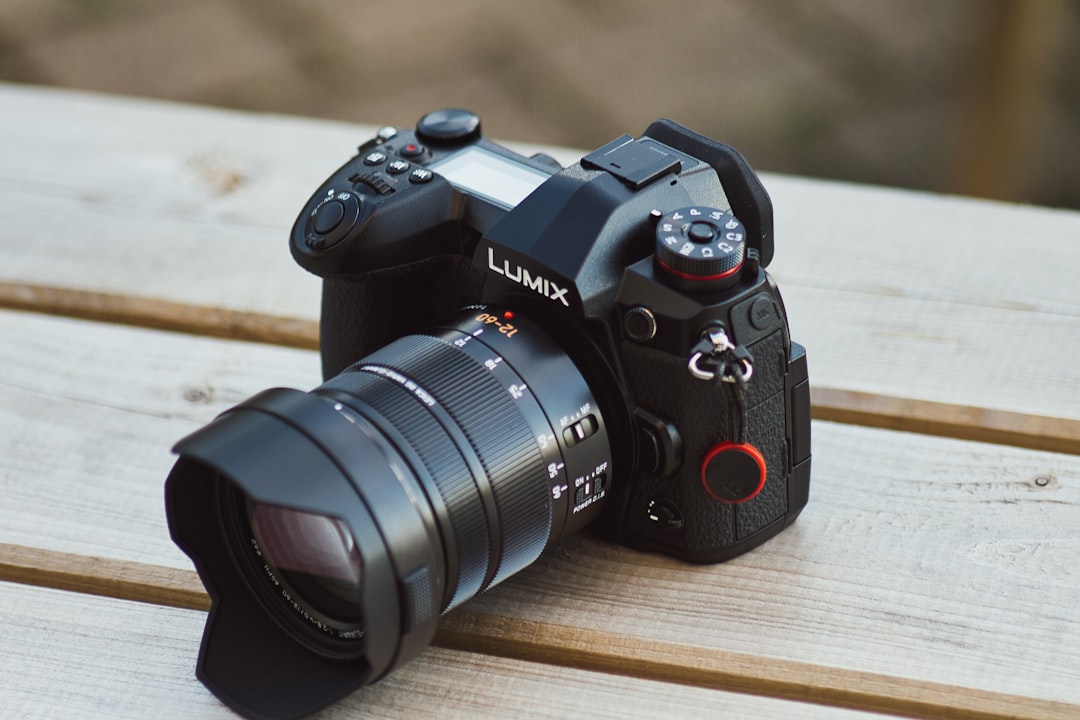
x=964 y=422
x=578 y=648
x=120 y=579
x=961 y=422
x=160 y=314
x=759 y=675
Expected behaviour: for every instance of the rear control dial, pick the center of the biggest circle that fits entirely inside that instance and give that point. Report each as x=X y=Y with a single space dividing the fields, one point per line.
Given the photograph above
x=700 y=248
x=332 y=219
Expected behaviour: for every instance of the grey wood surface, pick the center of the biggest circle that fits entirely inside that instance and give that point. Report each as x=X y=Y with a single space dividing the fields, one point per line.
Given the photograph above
x=929 y=576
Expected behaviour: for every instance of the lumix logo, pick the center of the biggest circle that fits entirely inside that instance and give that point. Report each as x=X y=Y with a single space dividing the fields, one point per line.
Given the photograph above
x=537 y=283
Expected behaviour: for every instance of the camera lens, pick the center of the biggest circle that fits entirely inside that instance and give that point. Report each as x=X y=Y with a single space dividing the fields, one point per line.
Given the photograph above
x=315 y=556
x=332 y=528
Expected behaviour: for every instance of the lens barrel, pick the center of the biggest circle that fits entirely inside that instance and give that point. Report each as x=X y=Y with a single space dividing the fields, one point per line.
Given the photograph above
x=332 y=528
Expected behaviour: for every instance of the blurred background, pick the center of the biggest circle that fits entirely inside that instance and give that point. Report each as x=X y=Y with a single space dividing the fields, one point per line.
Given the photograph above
x=976 y=97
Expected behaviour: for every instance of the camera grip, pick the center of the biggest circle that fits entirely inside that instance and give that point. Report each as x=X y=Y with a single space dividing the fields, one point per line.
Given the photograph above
x=675 y=514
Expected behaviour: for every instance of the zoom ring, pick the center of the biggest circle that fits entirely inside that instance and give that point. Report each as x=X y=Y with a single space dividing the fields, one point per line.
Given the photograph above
x=467 y=536
x=498 y=433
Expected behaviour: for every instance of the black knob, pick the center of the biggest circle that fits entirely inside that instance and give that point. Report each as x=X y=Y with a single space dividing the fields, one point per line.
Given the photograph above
x=448 y=127
x=327 y=217
x=700 y=248
x=639 y=323
x=332 y=219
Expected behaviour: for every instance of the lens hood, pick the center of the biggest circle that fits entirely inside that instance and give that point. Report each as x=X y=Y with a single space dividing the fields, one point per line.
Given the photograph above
x=307 y=453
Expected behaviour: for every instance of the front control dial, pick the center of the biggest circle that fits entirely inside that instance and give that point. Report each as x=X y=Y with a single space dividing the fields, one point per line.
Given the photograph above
x=700 y=248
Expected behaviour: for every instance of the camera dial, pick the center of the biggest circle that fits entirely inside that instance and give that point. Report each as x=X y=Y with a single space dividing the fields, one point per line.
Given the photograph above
x=451 y=125
x=332 y=219
x=700 y=248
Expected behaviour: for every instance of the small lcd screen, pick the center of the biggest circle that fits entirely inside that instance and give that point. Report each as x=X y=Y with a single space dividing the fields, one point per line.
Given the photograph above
x=492 y=176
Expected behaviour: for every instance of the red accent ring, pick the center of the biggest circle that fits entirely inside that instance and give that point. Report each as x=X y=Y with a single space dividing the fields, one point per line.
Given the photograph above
x=699 y=278
x=744 y=448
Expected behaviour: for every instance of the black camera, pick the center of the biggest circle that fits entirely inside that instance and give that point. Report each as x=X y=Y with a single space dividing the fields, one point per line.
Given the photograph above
x=512 y=351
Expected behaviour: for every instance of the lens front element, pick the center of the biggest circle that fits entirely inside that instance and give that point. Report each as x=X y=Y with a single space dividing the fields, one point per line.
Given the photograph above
x=313 y=556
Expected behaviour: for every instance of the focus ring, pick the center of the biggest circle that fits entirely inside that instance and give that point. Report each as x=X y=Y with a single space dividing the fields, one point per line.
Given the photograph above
x=467 y=536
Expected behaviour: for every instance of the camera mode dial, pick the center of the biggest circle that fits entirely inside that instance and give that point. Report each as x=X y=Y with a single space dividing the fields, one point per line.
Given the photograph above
x=700 y=248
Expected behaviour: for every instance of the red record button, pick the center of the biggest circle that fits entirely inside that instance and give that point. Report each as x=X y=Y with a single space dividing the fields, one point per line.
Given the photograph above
x=733 y=472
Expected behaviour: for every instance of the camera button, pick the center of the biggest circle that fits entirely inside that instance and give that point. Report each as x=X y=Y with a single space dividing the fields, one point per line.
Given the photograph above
x=701 y=232
x=375 y=158
x=332 y=220
x=397 y=167
x=763 y=314
x=328 y=217
x=733 y=472
x=412 y=150
x=419 y=176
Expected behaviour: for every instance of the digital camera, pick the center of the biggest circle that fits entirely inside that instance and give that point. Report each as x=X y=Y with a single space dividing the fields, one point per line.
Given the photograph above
x=512 y=351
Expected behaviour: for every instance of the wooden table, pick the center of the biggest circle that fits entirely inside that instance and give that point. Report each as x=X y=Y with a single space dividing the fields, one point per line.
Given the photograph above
x=935 y=572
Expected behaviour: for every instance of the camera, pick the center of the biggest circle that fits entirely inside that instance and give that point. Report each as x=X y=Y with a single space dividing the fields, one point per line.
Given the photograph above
x=512 y=351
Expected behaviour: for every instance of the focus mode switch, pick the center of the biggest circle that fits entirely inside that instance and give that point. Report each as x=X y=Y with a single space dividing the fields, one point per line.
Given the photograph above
x=580 y=430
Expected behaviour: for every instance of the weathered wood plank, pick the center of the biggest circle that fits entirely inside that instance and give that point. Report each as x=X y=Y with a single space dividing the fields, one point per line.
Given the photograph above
x=88 y=413
x=897 y=293
x=744 y=672
x=964 y=422
x=926 y=577
x=915 y=560
x=875 y=409
x=67 y=655
x=161 y=314
x=920 y=563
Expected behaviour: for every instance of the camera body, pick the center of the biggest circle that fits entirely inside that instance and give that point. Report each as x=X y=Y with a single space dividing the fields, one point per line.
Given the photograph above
x=644 y=261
